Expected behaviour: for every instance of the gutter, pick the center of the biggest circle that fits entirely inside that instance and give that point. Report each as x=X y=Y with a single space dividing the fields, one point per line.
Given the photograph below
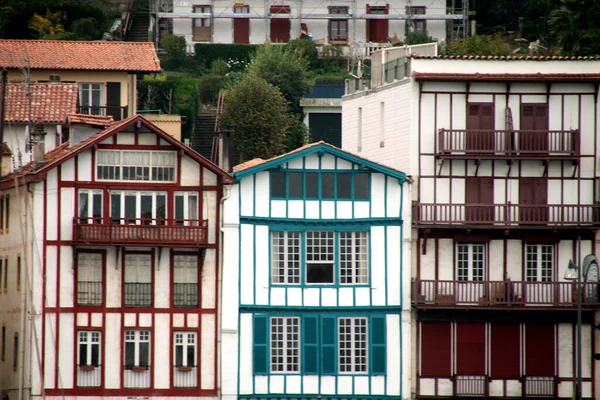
x=220 y=297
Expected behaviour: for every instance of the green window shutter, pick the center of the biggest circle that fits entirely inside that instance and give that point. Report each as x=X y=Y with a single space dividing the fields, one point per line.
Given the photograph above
x=328 y=345
x=310 y=350
x=378 y=353
x=260 y=337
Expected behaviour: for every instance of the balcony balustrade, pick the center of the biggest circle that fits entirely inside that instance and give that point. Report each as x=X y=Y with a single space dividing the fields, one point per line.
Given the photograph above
x=89 y=376
x=89 y=293
x=502 y=294
x=185 y=295
x=508 y=144
x=136 y=376
x=185 y=377
x=117 y=112
x=137 y=294
x=506 y=215
x=482 y=386
x=140 y=232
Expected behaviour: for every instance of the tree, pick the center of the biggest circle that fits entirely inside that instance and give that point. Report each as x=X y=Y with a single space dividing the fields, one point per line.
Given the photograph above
x=574 y=25
x=492 y=45
x=257 y=113
x=48 y=25
x=284 y=68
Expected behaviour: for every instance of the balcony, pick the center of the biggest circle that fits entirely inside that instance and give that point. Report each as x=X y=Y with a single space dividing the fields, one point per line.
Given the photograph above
x=508 y=144
x=505 y=216
x=117 y=112
x=185 y=294
x=481 y=386
x=518 y=295
x=89 y=375
x=140 y=232
x=185 y=377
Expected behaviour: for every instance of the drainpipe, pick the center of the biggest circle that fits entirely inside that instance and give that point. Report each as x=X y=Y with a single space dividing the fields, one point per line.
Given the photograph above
x=220 y=297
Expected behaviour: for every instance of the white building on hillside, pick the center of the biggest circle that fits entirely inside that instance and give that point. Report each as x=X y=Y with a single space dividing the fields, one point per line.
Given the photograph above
x=504 y=152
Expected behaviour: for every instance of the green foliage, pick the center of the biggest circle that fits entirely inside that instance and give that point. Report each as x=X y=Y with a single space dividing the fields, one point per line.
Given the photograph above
x=174 y=46
x=257 y=112
x=86 y=29
x=574 y=25
x=333 y=50
x=285 y=69
x=419 y=38
x=219 y=67
x=492 y=45
x=206 y=53
x=297 y=134
x=308 y=49
x=331 y=79
x=48 y=25
x=209 y=87
x=536 y=21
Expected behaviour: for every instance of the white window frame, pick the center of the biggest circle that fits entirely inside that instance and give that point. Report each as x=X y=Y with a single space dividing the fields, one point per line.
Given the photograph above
x=189 y=213
x=154 y=220
x=285 y=344
x=353 y=337
x=185 y=340
x=137 y=337
x=86 y=209
x=286 y=257
x=354 y=257
x=314 y=240
x=467 y=255
x=89 y=339
x=101 y=89
x=138 y=270
x=536 y=262
x=203 y=21
x=89 y=270
x=150 y=161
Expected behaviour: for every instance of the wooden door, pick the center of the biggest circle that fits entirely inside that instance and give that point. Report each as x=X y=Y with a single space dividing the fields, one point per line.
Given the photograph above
x=113 y=100
x=480 y=126
x=533 y=137
x=377 y=29
x=533 y=192
x=479 y=199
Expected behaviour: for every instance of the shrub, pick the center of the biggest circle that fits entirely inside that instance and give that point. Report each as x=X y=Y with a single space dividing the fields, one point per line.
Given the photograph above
x=308 y=49
x=209 y=87
x=206 y=53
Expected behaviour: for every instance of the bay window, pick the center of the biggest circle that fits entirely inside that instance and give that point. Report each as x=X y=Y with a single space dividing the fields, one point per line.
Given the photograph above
x=130 y=165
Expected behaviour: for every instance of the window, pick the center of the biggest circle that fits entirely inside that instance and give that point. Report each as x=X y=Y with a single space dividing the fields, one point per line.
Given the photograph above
x=185 y=349
x=186 y=208
x=90 y=206
x=319 y=344
x=89 y=349
x=353 y=345
x=137 y=349
x=320 y=257
x=539 y=262
x=320 y=185
x=185 y=280
x=416 y=25
x=16 y=351
x=5 y=275
x=91 y=99
x=338 y=28
x=138 y=280
x=201 y=26
x=19 y=273
x=89 y=279
x=139 y=208
x=470 y=262
x=3 y=344
x=131 y=165
x=4 y=213
x=1 y=272
x=285 y=344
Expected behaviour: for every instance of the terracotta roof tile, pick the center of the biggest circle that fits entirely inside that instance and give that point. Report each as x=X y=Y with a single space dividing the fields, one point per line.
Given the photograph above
x=71 y=55
x=95 y=120
x=574 y=77
x=508 y=58
x=50 y=102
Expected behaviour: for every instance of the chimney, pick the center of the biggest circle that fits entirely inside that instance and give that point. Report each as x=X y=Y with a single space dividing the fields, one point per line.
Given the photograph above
x=38 y=143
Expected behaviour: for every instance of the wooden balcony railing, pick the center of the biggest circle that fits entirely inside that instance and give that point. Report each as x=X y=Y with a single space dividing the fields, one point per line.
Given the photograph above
x=508 y=144
x=506 y=215
x=502 y=294
x=480 y=386
x=140 y=232
x=117 y=112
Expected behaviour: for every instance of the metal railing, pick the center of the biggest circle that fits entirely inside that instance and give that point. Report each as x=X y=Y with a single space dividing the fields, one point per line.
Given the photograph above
x=136 y=376
x=470 y=385
x=539 y=386
x=185 y=295
x=185 y=377
x=137 y=294
x=89 y=293
x=508 y=143
x=89 y=375
x=140 y=231
x=506 y=215
x=117 y=112
x=501 y=294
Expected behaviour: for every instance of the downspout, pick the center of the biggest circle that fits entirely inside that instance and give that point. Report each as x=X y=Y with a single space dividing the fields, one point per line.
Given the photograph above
x=220 y=297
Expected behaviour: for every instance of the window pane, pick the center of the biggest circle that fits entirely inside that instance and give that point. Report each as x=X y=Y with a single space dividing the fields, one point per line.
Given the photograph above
x=343 y=186
x=319 y=273
x=179 y=209
x=97 y=207
x=83 y=352
x=295 y=184
x=129 y=354
x=146 y=208
x=312 y=185
x=161 y=202
x=361 y=186
x=95 y=355
x=277 y=184
x=327 y=185
x=130 y=208
x=144 y=354
x=83 y=206
x=115 y=207
x=178 y=356
x=191 y=355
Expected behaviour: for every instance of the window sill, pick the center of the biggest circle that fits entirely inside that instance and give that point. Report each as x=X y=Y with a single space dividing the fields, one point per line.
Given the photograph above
x=139 y=369
x=184 y=369
x=87 y=367
x=334 y=41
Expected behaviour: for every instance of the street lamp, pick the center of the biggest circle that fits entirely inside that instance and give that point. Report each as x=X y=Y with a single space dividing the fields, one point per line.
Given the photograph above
x=573 y=273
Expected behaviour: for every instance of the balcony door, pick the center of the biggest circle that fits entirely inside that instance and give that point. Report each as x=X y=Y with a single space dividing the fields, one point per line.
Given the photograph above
x=480 y=125
x=280 y=26
x=533 y=200
x=470 y=272
x=138 y=208
x=533 y=137
x=378 y=29
x=201 y=26
x=241 y=25
x=479 y=199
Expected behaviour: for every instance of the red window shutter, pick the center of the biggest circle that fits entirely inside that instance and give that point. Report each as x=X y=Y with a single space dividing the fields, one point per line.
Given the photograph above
x=540 y=350
x=505 y=351
x=436 y=348
x=470 y=348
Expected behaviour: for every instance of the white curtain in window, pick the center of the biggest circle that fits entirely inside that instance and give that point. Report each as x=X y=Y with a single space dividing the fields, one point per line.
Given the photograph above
x=163 y=159
x=136 y=158
x=185 y=269
x=138 y=268
x=89 y=267
x=108 y=157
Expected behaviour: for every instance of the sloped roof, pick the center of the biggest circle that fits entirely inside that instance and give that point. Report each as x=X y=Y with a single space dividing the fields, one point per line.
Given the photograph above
x=94 y=120
x=509 y=58
x=258 y=164
x=63 y=153
x=454 y=77
x=72 y=55
x=50 y=102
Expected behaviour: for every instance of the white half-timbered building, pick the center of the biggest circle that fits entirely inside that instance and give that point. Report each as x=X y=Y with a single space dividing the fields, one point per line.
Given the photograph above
x=317 y=303
x=109 y=254
x=504 y=152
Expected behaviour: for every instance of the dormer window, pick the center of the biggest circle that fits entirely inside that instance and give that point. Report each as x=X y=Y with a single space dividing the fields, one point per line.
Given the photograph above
x=127 y=165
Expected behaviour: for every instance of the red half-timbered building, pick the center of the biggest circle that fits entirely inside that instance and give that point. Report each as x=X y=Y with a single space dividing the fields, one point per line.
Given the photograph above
x=111 y=253
x=504 y=152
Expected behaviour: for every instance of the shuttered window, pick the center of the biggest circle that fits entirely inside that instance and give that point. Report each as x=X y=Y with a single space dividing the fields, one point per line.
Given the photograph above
x=505 y=351
x=436 y=349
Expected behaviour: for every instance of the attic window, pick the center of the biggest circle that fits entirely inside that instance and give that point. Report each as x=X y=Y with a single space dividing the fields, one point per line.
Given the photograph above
x=314 y=185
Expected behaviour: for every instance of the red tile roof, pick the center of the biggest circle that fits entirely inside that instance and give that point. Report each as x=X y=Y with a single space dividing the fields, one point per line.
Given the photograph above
x=574 y=77
x=71 y=55
x=95 y=120
x=50 y=102
x=509 y=58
